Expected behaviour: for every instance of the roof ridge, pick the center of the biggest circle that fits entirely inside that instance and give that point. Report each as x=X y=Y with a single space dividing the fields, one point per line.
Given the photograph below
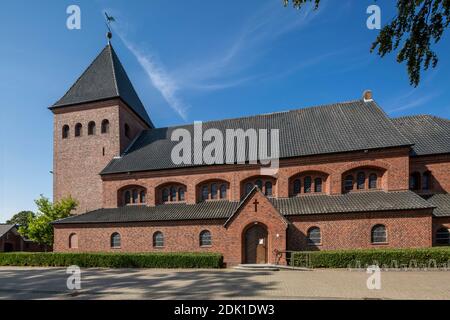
x=113 y=65
x=424 y=115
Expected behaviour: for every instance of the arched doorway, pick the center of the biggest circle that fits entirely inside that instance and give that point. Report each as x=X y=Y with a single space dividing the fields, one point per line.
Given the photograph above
x=255 y=244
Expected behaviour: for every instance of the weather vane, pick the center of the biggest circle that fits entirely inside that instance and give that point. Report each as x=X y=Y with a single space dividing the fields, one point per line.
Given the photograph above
x=109 y=19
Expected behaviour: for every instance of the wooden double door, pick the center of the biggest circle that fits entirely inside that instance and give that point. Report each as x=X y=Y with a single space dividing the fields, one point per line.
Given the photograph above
x=255 y=244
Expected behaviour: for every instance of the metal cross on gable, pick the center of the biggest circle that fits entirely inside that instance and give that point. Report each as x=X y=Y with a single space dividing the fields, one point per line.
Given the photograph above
x=256 y=205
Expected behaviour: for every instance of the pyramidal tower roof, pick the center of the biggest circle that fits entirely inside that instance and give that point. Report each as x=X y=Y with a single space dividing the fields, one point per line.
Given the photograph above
x=105 y=78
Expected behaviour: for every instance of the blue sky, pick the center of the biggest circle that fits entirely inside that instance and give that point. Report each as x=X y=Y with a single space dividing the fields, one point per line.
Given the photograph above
x=193 y=60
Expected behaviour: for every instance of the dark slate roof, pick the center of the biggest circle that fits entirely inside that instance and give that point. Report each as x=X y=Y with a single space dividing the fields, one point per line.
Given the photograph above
x=351 y=202
x=105 y=78
x=304 y=205
x=167 y=212
x=340 y=127
x=442 y=203
x=4 y=228
x=430 y=134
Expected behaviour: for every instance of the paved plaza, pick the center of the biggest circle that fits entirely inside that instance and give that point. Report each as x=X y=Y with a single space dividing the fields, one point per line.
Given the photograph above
x=50 y=283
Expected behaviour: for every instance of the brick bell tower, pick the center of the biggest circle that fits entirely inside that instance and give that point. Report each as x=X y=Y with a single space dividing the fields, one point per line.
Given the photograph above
x=95 y=121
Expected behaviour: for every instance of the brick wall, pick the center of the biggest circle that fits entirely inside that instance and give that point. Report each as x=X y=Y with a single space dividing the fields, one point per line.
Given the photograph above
x=393 y=162
x=405 y=229
x=439 y=166
x=339 y=231
x=77 y=161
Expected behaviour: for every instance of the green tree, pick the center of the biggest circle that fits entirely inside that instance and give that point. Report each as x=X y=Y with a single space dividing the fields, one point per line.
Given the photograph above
x=417 y=25
x=21 y=219
x=40 y=229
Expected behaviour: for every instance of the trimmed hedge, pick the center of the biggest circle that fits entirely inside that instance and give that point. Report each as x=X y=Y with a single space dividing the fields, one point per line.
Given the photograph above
x=384 y=258
x=113 y=260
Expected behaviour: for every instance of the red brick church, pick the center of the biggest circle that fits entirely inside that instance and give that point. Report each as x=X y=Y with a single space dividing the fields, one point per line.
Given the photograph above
x=349 y=177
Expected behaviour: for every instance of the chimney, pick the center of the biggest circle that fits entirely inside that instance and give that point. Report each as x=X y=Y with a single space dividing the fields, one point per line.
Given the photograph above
x=367 y=95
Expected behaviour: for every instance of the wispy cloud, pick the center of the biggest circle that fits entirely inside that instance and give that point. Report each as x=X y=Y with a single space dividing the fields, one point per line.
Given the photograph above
x=412 y=99
x=226 y=67
x=226 y=64
x=160 y=79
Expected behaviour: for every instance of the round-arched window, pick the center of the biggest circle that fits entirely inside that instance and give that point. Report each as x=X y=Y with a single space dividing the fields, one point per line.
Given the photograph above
x=373 y=181
x=73 y=241
x=318 y=185
x=307 y=184
x=158 y=239
x=361 y=180
x=91 y=128
x=115 y=240
x=268 y=189
x=205 y=238
x=297 y=186
x=314 y=236
x=223 y=191
x=379 y=234
x=78 y=128
x=105 y=126
x=65 y=131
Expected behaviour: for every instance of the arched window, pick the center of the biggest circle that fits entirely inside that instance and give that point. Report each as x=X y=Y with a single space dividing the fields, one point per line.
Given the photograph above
x=205 y=193
x=65 y=131
x=115 y=240
x=318 y=185
x=78 y=128
x=268 y=189
x=348 y=183
x=73 y=241
x=259 y=184
x=173 y=194
x=248 y=188
x=443 y=236
x=105 y=126
x=223 y=191
x=158 y=239
x=297 y=186
x=361 y=180
x=127 y=130
x=165 y=195
x=142 y=196
x=181 y=194
x=379 y=234
x=314 y=236
x=426 y=179
x=132 y=195
x=373 y=181
x=135 y=196
x=214 y=191
x=414 y=181
x=91 y=128
x=205 y=238
x=307 y=184
x=127 y=199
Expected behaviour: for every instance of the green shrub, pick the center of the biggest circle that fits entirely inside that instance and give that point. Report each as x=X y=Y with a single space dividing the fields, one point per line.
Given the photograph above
x=385 y=258
x=113 y=260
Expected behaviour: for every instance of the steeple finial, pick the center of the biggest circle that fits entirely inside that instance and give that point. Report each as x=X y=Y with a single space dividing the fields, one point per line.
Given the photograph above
x=109 y=19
